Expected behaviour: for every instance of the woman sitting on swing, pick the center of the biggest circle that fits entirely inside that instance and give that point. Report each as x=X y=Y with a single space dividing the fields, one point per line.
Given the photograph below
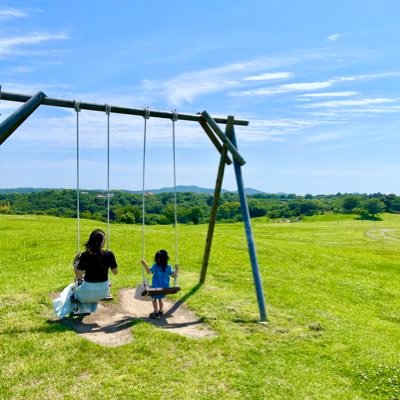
x=91 y=271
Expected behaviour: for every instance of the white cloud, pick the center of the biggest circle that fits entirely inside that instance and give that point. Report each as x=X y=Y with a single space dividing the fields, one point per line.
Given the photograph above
x=290 y=87
x=280 y=129
x=306 y=86
x=188 y=86
x=323 y=137
x=9 y=13
x=10 y=45
x=350 y=103
x=334 y=37
x=23 y=69
x=327 y=94
x=310 y=86
x=267 y=76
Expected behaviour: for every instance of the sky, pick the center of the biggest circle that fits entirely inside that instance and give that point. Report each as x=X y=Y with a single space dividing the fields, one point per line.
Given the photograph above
x=318 y=82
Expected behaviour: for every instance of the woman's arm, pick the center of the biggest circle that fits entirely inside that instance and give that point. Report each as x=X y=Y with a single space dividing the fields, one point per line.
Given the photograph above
x=145 y=265
x=115 y=270
x=78 y=273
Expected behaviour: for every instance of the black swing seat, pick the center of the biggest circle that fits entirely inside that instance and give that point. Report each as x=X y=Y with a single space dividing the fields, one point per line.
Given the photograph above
x=148 y=291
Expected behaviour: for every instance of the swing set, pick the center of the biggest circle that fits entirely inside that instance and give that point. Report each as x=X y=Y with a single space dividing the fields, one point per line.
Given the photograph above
x=224 y=142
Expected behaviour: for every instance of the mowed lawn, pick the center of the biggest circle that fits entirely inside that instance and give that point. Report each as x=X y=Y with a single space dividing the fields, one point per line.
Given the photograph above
x=333 y=300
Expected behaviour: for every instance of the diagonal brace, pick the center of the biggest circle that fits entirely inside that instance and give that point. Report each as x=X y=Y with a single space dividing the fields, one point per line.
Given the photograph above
x=231 y=147
x=10 y=124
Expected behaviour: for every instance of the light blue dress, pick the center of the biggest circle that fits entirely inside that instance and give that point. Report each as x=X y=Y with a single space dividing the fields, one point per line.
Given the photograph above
x=88 y=293
x=160 y=278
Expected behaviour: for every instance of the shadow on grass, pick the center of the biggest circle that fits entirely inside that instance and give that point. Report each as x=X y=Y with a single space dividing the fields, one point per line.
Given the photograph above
x=183 y=299
x=52 y=326
x=81 y=326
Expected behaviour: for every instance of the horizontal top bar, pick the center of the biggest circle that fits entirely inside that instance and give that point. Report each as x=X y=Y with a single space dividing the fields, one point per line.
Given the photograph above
x=22 y=98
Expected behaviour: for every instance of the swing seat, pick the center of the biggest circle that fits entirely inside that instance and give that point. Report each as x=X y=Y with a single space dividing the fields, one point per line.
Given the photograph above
x=148 y=291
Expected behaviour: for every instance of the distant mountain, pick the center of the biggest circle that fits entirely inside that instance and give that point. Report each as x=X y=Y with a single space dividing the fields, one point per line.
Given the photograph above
x=23 y=190
x=194 y=189
x=179 y=189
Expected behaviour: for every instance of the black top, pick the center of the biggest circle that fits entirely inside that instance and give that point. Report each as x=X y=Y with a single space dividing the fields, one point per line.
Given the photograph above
x=96 y=265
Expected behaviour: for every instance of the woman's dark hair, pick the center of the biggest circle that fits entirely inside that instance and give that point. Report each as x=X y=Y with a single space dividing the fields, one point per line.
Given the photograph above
x=93 y=245
x=161 y=258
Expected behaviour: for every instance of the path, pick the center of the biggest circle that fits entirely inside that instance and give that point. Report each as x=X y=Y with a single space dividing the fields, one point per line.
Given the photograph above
x=378 y=234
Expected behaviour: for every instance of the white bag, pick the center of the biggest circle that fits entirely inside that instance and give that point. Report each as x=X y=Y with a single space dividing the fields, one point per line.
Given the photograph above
x=138 y=293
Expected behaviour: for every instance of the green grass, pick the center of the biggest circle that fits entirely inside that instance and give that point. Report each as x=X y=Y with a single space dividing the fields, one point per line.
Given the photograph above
x=332 y=297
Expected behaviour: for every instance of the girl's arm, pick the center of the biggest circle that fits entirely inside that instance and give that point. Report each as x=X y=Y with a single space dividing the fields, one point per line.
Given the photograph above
x=176 y=272
x=145 y=265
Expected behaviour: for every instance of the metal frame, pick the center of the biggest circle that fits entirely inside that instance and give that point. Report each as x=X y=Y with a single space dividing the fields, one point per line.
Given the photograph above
x=223 y=142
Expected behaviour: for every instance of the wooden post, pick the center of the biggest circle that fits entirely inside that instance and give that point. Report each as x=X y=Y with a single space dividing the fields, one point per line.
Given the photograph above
x=214 y=139
x=10 y=124
x=214 y=208
x=235 y=154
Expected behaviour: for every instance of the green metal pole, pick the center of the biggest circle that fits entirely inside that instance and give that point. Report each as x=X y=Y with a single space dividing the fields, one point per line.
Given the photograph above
x=48 y=101
x=10 y=124
x=249 y=235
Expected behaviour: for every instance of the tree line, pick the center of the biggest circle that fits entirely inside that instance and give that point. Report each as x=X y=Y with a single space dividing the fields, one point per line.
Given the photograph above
x=126 y=207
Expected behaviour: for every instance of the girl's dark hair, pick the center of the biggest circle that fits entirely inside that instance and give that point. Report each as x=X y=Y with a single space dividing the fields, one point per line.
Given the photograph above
x=161 y=258
x=93 y=245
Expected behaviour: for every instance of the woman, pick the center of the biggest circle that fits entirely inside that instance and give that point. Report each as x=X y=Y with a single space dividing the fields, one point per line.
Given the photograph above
x=91 y=270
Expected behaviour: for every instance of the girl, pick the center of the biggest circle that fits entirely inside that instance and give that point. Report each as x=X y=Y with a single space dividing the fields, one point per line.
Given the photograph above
x=161 y=271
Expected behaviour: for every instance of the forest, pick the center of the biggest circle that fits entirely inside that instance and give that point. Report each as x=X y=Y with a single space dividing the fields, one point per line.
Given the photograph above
x=193 y=208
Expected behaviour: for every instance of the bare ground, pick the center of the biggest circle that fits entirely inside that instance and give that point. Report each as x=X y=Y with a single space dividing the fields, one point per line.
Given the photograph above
x=379 y=234
x=111 y=324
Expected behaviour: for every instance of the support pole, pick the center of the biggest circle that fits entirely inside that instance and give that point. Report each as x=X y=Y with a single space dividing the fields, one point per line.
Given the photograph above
x=214 y=139
x=10 y=124
x=231 y=147
x=214 y=208
x=249 y=236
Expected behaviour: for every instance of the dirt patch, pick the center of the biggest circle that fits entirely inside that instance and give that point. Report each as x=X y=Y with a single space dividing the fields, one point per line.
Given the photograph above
x=111 y=324
x=379 y=234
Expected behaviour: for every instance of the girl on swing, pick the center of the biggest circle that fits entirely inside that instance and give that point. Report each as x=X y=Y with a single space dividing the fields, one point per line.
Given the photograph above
x=161 y=272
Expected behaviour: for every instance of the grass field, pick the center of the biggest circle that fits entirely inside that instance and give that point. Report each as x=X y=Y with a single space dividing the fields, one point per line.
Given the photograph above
x=332 y=286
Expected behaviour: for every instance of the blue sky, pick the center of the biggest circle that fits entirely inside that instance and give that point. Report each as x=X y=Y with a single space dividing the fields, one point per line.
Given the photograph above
x=318 y=81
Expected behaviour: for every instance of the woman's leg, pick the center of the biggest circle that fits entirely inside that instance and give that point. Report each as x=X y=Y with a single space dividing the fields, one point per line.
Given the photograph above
x=89 y=292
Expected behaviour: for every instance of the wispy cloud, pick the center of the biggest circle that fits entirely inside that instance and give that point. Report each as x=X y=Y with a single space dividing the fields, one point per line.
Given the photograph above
x=323 y=137
x=11 y=45
x=326 y=94
x=9 y=13
x=350 y=103
x=280 y=130
x=290 y=87
x=334 y=37
x=310 y=86
x=268 y=76
x=186 y=87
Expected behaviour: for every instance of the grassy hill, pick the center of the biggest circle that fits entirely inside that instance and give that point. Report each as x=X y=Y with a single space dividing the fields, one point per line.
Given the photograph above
x=333 y=301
